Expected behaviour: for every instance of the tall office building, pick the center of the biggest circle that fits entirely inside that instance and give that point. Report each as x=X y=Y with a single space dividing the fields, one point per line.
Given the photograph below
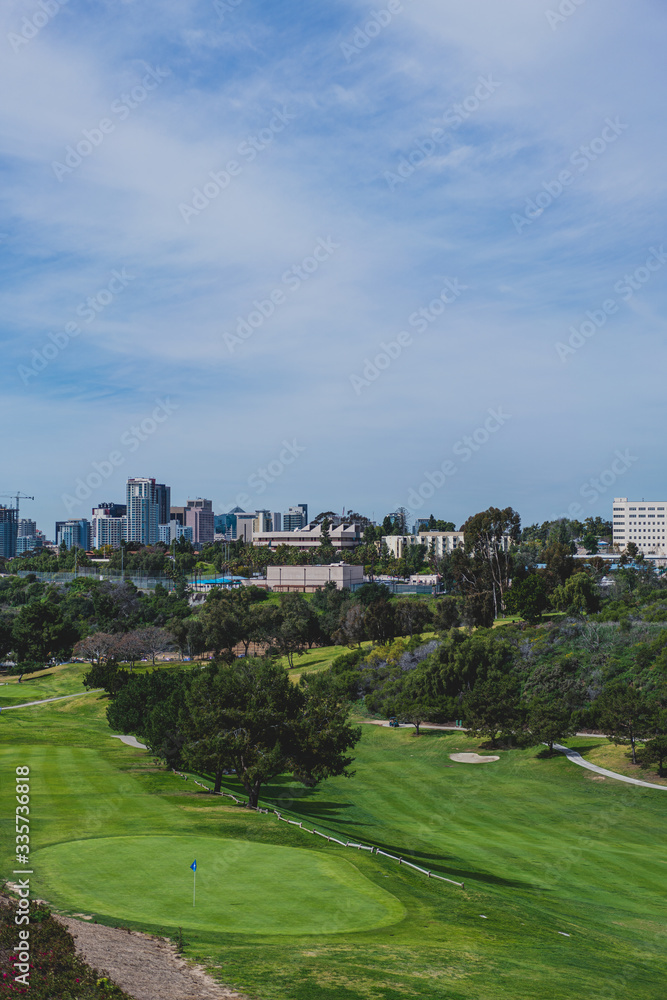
x=27 y=528
x=643 y=522
x=8 y=532
x=163 y=498
x=75 y=533
x=225 y=524
x=200 y=517
x=142 y=511
x=178 y=514
x=295 y=517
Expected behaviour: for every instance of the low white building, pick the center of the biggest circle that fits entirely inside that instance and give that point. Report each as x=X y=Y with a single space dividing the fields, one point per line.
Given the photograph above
x=437 y=542
x=643 y=522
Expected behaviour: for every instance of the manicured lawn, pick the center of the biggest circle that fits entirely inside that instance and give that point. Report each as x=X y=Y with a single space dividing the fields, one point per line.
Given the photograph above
x=243 y=888
x=65 y=679
x=617 y=758
x=541 y=846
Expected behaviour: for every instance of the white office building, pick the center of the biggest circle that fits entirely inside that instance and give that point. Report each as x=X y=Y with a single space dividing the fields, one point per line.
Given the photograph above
x=642 y=522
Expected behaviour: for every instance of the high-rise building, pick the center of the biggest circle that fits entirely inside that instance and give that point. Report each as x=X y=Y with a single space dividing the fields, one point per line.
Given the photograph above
x=8 y=532
x=643 y=522
x=225 y=524
x=163 y=498
x=142 y=511
x=27 y=528
x=75 y=533
x=295 y=517
x=108 y=525
x=200 y=517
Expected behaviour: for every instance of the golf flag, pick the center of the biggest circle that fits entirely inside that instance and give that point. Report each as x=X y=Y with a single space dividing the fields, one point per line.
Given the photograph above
x=194 y=866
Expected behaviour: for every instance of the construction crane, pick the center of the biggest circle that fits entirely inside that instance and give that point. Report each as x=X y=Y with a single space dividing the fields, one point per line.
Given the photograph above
x=17 y=497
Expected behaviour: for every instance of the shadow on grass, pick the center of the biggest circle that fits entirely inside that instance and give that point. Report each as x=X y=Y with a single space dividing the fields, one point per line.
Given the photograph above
x=449 y=866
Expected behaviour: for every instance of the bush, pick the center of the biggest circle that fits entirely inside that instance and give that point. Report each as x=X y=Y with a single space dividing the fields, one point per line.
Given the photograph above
x=55 y=969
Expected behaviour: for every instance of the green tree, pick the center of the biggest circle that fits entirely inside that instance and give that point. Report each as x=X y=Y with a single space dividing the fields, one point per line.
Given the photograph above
x=591 y=543
x=487 y=535
x=578 y=595
x=446 y=614
x=412 y=617
x=560 y=562
x=550 y=719
x=250 y=718
x=409 y=700
x=41 y=632
x=478 y=610
x=222 y=628
x=151 y=706
x=107 y=675
x=493 y=709
x=625 y=715
x=528 y=598
x=654 y=752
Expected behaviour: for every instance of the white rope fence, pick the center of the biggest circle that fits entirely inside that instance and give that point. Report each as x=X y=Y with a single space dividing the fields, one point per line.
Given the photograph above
x=325 y=836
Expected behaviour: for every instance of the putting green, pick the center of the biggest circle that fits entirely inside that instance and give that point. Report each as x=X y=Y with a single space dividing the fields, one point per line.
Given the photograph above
x=242 y=887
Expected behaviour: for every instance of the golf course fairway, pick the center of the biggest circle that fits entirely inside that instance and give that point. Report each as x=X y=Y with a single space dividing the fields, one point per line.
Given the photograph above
x=241 y=887
x=565 y=875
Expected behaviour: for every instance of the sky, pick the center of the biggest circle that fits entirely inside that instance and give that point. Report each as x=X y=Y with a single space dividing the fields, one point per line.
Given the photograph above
x=360 y=256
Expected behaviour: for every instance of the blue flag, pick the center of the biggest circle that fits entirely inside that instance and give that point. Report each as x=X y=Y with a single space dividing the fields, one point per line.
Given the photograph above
x=194 y=866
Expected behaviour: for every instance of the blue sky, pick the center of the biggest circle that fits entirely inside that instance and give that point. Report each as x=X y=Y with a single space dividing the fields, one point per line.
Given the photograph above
x=259 y=198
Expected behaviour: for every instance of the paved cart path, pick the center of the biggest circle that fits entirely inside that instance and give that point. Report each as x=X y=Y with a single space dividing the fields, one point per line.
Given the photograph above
x=43 y=701
x=576 y=758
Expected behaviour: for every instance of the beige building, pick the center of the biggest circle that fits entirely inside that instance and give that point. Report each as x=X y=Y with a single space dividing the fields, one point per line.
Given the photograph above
x=344 y=537
x=642 y=522
x=307 y=579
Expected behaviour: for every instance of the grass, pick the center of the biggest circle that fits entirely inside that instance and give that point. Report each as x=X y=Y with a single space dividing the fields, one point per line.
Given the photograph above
x=618 y=758
x=244 y=887
x=51 y=683
x=541 y=846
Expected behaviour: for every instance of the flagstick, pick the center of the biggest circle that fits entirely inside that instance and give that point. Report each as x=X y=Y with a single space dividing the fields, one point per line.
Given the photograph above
x=194 y=886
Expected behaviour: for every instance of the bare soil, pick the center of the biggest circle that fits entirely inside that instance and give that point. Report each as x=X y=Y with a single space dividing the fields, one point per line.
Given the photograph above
x=148 y=968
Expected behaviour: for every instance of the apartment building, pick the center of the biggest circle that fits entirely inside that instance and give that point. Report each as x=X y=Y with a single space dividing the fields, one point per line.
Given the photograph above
x=439 y=543
x=142 y=511
x=642 y=522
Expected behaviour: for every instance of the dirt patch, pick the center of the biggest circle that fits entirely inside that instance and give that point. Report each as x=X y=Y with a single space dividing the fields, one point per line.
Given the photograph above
x=471 y=758
x=148 y=968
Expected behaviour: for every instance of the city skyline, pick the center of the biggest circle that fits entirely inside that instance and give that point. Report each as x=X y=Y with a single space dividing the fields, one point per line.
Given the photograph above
x=384 y=245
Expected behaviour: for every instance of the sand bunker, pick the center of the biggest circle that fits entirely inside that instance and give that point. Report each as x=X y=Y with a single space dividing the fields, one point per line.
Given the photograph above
x=471 y=758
